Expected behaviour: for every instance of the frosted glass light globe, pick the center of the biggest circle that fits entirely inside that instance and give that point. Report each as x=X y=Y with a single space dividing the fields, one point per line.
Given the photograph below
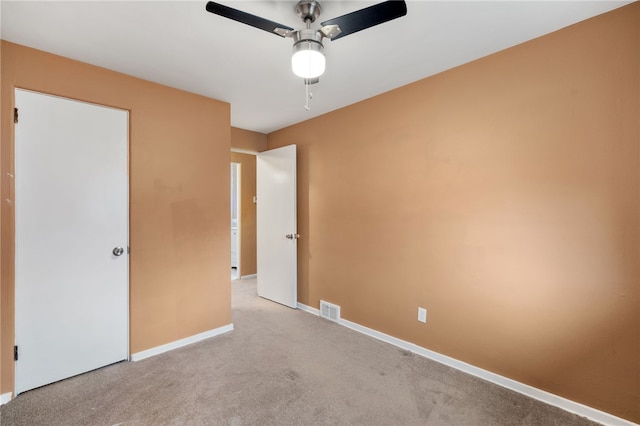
x=308 y=61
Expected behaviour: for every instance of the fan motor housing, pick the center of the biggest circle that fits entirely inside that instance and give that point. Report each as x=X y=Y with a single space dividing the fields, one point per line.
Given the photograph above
x=307 y=35
x=308 y=10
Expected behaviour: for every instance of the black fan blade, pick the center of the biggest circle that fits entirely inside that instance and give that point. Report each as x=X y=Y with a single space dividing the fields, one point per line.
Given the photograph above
x=367 y=17
x=249 y=19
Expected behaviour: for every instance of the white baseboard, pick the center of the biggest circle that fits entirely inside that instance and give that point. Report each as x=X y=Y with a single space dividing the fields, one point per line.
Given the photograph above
x=309 y=309
x=180 y=343
x=535 y=393
x=249 y=277
x=5 y=397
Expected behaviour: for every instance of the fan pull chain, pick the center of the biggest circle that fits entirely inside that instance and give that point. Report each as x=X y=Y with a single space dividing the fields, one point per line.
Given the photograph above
x=308 y=95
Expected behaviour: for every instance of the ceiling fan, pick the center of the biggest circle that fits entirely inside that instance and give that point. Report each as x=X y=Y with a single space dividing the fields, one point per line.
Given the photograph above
x=308 y=59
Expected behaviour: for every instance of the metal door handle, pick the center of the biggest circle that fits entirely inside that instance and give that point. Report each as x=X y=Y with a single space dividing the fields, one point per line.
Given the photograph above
x=292 y=236
x=118 y=251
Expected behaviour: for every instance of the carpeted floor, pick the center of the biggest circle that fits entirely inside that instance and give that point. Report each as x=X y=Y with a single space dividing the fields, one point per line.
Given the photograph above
x=280 y=367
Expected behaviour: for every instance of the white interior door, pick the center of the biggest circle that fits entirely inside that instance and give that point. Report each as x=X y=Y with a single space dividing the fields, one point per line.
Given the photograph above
x=276 y=225
x=71 y=201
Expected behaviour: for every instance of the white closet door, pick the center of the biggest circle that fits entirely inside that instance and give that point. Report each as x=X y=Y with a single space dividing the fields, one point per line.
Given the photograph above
x=71 y=201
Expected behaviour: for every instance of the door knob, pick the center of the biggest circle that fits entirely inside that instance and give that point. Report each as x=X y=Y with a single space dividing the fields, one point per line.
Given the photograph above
x=118 y=251
x=292 y=236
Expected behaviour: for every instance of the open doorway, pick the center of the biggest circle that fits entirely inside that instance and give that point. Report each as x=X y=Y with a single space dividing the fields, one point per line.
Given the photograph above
x=235 y=220
x=243 y=209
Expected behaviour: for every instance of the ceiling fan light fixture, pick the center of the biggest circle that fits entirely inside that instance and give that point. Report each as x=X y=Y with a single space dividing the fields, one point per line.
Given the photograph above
x=308 y=59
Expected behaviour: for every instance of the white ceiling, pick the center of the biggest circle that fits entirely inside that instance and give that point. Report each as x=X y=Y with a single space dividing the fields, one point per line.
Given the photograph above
x=179 y=44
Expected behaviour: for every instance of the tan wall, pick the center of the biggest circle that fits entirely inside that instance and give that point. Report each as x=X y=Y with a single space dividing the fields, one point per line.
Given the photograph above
x=179 y=197
x=246 y=140
x=247 y=212
x=503 y=196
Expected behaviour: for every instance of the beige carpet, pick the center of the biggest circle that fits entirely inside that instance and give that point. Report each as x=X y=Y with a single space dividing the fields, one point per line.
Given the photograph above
x=279 y=367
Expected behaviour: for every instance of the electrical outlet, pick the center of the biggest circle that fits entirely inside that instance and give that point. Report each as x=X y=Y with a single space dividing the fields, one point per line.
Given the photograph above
x=422 y=315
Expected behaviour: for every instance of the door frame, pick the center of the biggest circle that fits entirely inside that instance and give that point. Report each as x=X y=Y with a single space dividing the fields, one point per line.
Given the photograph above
x=238 y=195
